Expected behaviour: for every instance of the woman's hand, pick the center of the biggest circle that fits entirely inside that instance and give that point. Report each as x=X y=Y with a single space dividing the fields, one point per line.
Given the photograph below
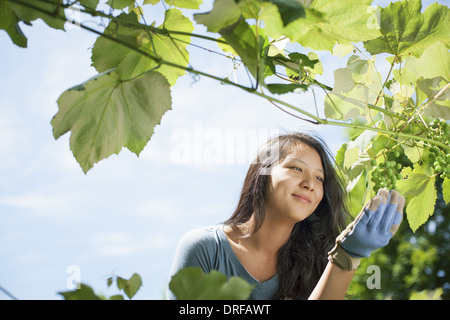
x=372 y=228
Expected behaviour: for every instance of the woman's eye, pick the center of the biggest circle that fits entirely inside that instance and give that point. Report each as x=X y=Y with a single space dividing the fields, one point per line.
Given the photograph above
x=320 y=179
x=297 y=169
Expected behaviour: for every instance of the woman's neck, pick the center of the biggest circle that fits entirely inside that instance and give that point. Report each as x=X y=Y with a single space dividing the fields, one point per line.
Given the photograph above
x=268 y=239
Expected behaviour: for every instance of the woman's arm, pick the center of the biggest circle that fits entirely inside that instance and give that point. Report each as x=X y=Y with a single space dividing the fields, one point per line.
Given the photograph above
x=333 y=284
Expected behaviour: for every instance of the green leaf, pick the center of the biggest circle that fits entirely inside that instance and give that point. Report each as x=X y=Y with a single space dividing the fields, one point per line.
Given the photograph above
x=359 y=194
x=413 y=153
x=242 y=39
x=435 y=294
x=354 y=157
x=9 y=21
x=380 y=142
x=407 y=31
x=153 y=2
x=446 y=190
x=51 y=12
x=274 y=26
x=290 y=10
x=130 y=286
x=91 y=4
x=340 y=155
x=436 y=107
x=105 y=114
x=420 y=193
x=192 y=283
x=354 y=88
x=223 y=14
x=299 y=66
x=120 y=4
x=282 y=88
x=286 y=11
x=342 y=50
x=328 y=22
x=108 y=54
x=185 y=4
x=434 y=63
x=84 y=293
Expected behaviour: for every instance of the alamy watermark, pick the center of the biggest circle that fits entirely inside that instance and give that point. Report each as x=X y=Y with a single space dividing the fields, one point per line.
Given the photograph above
x=374 y=280
x=212 y=146
x=73 y=281
x=374 y=20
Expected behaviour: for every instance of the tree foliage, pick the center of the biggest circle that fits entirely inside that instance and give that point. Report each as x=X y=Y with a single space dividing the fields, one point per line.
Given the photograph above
x=399 y=115
x=192 y=283
x=84 y=292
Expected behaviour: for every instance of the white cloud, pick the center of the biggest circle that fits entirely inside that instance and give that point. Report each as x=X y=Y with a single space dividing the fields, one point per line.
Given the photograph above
x=121 y=244
x=161 y=210
x=114 y=244
x=32 y=201
x=31 y=257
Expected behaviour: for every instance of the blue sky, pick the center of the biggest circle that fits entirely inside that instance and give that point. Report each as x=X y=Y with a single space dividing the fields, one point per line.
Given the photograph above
x=128 y=213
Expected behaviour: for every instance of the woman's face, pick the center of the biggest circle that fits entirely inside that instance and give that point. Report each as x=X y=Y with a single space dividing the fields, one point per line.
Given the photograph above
x=295 y=186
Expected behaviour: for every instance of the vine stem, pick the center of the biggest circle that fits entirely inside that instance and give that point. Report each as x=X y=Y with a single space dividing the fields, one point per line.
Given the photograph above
x=251 y=90
x=418 y=111
x=350 y=125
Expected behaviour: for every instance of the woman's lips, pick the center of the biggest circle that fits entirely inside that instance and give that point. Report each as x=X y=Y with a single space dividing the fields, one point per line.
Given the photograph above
x=302 y=198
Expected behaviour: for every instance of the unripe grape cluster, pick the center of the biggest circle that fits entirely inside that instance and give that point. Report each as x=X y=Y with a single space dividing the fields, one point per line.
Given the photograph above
x=440 y=159
x=386 y=174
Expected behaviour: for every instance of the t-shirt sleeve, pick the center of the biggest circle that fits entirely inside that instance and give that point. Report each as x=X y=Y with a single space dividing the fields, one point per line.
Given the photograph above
x=196 y=248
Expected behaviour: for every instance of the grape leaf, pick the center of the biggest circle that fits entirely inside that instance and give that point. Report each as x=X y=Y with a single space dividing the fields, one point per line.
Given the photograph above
x=434 y=62
x=275 y=13
x=289 y=10
x=446 y=190
x=275 y=27
x=223 y=14
x=153 y=2
x=407 y=31
x=185 y=4
x=105 y=114
x=108 y=54
x=344 y=21
x=85 y=292
x=354 y=157
x=130 y=286
x=9 y=21
x=355 y=86
x=192 y=283
x=241 y=37
x=420 y=193
x=120 y=4
x=91 y=4
x=298 y=66
x=51 y=12
x=281 y=88
x=436 y=107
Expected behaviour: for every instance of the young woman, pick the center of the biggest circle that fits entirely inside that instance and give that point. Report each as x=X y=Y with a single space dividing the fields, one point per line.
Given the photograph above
x=285 y=234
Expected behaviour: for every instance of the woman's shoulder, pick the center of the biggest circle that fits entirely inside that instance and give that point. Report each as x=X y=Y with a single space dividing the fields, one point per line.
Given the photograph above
x=204 y=236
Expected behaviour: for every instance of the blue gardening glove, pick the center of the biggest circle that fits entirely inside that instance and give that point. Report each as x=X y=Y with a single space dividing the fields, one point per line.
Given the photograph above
x=372 y=228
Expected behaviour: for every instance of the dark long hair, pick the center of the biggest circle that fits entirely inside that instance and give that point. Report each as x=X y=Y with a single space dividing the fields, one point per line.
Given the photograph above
x=302 y=259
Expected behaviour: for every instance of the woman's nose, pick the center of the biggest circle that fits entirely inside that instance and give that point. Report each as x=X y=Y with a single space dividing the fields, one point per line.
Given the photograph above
x=306 y=184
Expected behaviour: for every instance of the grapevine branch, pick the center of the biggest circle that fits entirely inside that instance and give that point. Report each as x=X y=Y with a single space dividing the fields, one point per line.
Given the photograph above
x=189 y=69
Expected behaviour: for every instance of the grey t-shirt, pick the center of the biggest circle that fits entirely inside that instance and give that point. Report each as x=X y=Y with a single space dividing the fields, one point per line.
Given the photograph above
x=209 y=249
